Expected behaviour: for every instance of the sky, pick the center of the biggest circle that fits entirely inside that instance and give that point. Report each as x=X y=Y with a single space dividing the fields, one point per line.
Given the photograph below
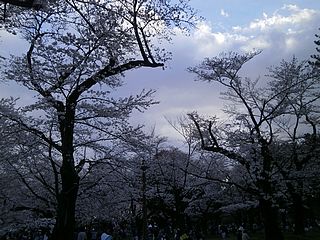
x=281 y=29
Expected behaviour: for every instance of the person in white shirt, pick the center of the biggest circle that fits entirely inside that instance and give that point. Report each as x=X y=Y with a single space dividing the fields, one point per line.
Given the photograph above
x=105 y=236
x=245 y=235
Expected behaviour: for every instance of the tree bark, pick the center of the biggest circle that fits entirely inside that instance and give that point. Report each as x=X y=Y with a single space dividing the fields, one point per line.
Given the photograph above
x=269 y=212
x=65 y=220
x=179 y=214
x=144 y=203
x=270 y=220
x=299 y=214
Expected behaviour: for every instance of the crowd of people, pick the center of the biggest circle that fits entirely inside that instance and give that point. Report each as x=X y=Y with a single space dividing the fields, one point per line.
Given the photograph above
x=84 y=233
x=154 y=232
x=81 y=233
x=242 y=234
x=28 y=234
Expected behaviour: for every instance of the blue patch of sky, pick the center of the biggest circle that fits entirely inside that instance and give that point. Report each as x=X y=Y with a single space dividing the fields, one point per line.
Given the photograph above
x=242 y=12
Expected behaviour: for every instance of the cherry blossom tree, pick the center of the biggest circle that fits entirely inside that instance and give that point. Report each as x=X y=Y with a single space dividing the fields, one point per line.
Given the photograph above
x=298 y=121
x=159 y=184
x=142 y=155
x=78 y=52
x=27 y=194
x=316 y=57
x=259 y=116
x=212 y=173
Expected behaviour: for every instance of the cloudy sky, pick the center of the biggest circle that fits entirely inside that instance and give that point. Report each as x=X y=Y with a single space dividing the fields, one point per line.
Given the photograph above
x=280 y=28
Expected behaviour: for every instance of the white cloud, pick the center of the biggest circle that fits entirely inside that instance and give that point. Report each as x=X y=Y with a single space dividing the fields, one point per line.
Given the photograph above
x=224 y=13
x=282 y=31
x=291 y=7
x=208 y=42
x=256 y=43
x=236 y=28
x=219 y=37
x=291 y=43
x=290 y=15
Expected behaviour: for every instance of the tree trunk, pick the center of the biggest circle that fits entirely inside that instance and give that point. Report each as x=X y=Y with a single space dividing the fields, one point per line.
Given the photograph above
x=271 y=221
x=65 y=220
x=180 y=207
x=299 y=215
x=144 y=203
x=268 y=211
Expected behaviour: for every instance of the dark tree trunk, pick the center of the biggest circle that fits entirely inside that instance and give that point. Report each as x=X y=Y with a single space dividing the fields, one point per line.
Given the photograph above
x=65 y=220
x=179 y=215
x=270 y=220
x=144 y=203
x=299 y=211
x=299 y=214
x=268 y=211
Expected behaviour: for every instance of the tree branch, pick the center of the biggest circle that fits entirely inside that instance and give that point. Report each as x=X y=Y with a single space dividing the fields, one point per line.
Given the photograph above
x=106 y=72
